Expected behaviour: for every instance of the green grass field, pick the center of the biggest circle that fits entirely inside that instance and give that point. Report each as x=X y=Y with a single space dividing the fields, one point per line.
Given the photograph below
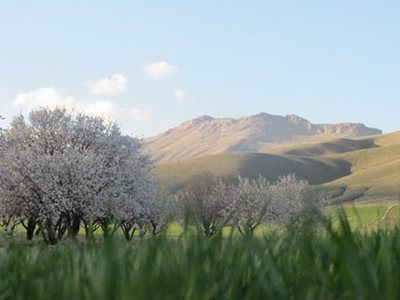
x=365 y=216
x=336 y=264
x=354 y=255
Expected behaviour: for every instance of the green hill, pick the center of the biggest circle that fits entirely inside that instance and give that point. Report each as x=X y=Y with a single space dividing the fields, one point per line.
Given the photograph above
x=315 y=170
x=324 y=148
x=377 y=169
x=370 y=165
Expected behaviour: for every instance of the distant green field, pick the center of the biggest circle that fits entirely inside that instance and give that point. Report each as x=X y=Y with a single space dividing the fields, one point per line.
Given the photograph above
x=365 y=216
x=361 y=216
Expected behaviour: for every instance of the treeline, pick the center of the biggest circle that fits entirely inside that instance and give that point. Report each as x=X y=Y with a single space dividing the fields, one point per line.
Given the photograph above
x=212 y=202
x=61 y=172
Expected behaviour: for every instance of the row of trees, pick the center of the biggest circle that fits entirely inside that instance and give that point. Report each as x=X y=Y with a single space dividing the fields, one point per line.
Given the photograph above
x=60 y=172
x=213 y=203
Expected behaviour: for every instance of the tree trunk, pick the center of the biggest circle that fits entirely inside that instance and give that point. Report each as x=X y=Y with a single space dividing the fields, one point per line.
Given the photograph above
x=74 y=227
x=106 y=229
x=51 y=236
x=30 y=229
x=127 y=233
x=154 y=227
x=88 y=226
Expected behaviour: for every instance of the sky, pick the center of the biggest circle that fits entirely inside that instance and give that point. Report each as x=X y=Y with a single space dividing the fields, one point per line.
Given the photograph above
x=153 y=64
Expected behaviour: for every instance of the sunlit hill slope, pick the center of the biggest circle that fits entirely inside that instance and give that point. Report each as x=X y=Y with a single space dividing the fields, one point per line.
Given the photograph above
x=363 y=167
x=369 y=168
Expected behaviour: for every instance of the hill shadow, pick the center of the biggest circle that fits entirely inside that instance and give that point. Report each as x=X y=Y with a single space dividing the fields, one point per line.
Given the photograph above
x=337 y=146
x=313 y=170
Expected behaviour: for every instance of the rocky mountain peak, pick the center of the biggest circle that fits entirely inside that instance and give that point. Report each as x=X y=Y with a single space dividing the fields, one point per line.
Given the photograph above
x=206 y=135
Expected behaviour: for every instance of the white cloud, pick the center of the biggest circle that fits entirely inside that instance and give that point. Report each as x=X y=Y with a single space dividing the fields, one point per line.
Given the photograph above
x=109 y=86
x=158 y=69
x=52 y=98
x=43 y=97
x=179 y=93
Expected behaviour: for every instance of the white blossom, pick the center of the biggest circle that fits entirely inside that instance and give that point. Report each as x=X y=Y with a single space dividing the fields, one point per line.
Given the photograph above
x=59 y=169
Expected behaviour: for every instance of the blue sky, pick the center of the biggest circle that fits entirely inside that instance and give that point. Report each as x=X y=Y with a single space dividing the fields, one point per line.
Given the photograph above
x=154 y=64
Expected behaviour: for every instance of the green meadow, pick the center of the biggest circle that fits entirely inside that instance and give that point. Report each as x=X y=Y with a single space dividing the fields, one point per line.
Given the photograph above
x=367 y=217
x=335 y=262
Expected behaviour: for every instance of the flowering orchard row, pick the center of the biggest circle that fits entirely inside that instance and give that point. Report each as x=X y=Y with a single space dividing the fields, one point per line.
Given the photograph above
x=61 y=172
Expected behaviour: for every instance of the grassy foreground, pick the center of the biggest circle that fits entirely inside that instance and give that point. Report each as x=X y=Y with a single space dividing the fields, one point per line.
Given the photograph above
x=299 y=264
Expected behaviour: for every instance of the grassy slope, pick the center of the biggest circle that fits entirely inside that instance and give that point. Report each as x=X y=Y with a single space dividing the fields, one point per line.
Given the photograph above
x=376 y=168
x=252 y=165
x=322 y=147
x=371 y=164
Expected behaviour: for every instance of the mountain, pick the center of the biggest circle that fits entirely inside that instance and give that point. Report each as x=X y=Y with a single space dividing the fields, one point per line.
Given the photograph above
x=206 y=135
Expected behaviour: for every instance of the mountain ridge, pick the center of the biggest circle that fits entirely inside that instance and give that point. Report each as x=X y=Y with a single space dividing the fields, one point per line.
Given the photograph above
x=206 y=135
